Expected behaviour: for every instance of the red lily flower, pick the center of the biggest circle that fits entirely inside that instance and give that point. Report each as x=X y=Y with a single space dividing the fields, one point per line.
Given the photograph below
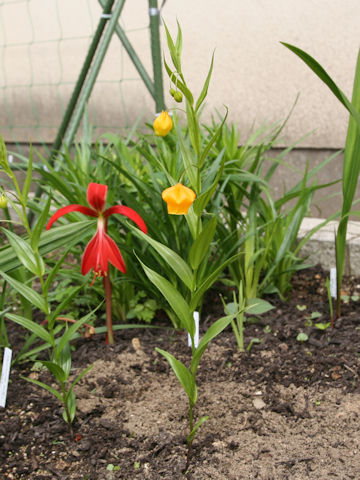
x=101 y=249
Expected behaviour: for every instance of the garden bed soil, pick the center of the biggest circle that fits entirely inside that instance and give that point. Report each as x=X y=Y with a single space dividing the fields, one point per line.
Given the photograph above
x=284 y=410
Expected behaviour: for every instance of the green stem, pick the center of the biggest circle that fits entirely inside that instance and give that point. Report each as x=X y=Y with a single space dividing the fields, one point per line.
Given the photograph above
x=191 y=423
x=108 y=293
x=240 y=329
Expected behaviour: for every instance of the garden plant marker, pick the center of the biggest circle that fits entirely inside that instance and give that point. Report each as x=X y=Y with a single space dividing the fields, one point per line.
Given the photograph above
x=101 y=249
x=5 y=373
x=196 y=335
x=333 y=282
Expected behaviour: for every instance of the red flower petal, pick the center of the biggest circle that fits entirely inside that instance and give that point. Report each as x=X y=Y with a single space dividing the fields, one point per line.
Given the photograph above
x=99 y=252
x=70 y=208
x=96 y=196
x=128 y=212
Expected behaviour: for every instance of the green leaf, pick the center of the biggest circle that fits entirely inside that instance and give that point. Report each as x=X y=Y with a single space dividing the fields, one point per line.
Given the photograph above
x=29 y=178
x=212 y=140
x=172 y=49
x=188 y=160
x=64 y=360
x=204 y=91
x=191 y=436
x=68 y=335
x=55 y=369
x=202 y=243
x=25 y=253
x=27 y=292
x=180 y=267
x=175 y=299
x=54 y=271
x=214 y=330
x=183 y=375
x=302 y=337
x=178 y=44
x=209 y=280
x=324 y=76
x=80 y=376
x=257 y=306
x=4 y=163
x=35 y=328
x=70 y=401
x=40 y=225
x=73 y=291
x=46 y=387
x=66 y=235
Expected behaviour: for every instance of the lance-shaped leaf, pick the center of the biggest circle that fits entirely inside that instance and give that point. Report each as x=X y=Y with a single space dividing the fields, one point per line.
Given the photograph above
x=27 y=292
x=55 y=369
x=39 y=227
x=216 y=328
x=175 y=56
x=28 y=178
x=202 y=243
x=25 y=253
x=183 y=375
x=325 y=77
x=69 y=334
x=189 y=165
x=203 y=199
x=33 y=327
x=50 y=240
x=204 y=91
x=174 y=298
x=46 y=387
x=209 y=280
x=180 y=267
x=191 y=435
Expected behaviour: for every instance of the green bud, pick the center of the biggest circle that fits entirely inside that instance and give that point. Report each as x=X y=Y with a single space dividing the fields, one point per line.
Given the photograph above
x=178 y=97
x=172 y=92
x=3 y=201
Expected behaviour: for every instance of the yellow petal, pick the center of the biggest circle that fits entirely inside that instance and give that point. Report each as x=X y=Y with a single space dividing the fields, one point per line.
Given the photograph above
x=162 y=124
x=179 y=199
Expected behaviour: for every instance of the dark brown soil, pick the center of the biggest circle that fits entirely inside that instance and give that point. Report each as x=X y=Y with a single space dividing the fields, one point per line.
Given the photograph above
x=284 y=410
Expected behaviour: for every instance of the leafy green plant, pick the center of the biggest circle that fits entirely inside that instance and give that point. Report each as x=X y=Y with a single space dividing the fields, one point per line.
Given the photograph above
x=54 y=336
x=202 y=225
x=238 y=307
x=351 y=165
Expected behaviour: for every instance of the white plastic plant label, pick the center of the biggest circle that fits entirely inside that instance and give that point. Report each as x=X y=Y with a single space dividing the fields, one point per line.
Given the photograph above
x=196 y=336
x=5 y=373
x=333 y=282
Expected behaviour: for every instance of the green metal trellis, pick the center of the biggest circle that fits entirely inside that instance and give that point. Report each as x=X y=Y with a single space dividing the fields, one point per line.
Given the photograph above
x=107 y=26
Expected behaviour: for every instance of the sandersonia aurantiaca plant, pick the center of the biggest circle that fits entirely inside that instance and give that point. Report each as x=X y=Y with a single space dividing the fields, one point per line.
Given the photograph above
x=101 y=249
x=189 y=200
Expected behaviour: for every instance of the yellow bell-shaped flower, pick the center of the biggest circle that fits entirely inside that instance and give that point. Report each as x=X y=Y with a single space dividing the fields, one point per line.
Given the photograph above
x=162 y=124
x=178 y=198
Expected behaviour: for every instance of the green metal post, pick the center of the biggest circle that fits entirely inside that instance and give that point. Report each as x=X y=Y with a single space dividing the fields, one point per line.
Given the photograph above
x=107 y=6
x=94 y=70
x=134 y=57
x=156 y=55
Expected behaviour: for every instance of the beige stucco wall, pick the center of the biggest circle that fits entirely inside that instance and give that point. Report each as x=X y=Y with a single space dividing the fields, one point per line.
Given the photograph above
x=254 y=75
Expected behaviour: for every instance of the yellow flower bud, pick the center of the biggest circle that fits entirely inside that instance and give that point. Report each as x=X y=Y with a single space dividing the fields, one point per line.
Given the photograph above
x=172 y=92
x=178 y=97
x=179 y=199
x=162 y=124
x=3 y=201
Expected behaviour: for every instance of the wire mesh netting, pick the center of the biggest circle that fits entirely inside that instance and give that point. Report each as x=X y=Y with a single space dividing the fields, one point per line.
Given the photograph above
x=43 y=44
